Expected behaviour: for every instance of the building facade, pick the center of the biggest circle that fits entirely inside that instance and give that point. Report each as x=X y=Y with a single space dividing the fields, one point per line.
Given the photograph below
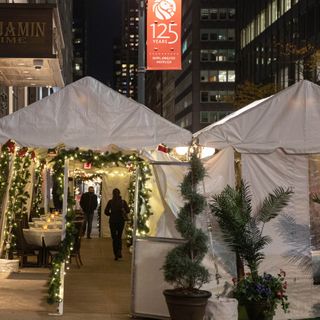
x=35 y=51
x=202 y=92
x=278 y=41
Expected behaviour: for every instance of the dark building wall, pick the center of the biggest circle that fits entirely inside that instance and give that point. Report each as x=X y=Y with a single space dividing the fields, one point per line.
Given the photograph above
x=116 y=80
x=79 y=30
x=154 y=88
x=65 y=11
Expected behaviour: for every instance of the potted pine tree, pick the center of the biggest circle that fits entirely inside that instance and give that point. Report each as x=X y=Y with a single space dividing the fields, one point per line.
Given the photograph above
x=182 y=267
x=243 y=232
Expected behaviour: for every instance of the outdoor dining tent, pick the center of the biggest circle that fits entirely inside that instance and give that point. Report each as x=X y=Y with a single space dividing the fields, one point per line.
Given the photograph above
x=278 y=140
x=89 y=115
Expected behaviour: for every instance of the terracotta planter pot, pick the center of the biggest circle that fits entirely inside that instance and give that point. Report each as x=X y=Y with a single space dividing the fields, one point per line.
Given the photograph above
x=256 y=311
x=186 y=306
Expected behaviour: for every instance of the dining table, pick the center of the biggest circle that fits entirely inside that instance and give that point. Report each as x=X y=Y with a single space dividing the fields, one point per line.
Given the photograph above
x=45 y=235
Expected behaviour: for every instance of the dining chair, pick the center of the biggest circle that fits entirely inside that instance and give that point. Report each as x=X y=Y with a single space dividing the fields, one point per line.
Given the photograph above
x=77 y=242
x=24 y=250
x=25 y=221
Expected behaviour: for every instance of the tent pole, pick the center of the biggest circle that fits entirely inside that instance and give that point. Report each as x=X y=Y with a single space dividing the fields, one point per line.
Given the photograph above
x=63 y=235
x=136 y=204
x=46 y=188
x=134 y=234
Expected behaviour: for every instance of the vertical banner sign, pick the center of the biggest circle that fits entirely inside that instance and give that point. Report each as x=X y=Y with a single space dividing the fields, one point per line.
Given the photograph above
x=164 y=35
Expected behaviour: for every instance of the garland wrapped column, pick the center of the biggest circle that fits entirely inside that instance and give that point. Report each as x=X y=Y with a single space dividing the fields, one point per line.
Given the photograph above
x=17 y=198
x=37 y=199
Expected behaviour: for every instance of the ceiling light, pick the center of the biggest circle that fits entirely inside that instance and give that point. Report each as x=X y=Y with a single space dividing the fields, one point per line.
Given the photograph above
x=37 y=63
x=207 y=152
x=181 y=151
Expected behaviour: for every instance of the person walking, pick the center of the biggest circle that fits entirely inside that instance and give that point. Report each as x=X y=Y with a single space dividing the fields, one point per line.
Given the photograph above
x=88 y=203
x=116 y=209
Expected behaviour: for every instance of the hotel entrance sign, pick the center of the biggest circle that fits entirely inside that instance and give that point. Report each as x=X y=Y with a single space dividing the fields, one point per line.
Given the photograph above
x=25 y=32
x=164 y=35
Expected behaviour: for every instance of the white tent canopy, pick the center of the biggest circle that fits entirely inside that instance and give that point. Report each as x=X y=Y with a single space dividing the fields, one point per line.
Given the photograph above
x=88 y=114
x=288 y=120
x=275 y=137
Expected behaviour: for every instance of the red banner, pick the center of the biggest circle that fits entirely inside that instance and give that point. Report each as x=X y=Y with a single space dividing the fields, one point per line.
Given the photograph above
x=164 y=35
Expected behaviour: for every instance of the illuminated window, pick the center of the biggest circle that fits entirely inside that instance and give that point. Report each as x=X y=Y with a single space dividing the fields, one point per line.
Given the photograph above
x=222 y=76
x=274 y=11
x=212 y=116
x=222 y=14
x=217 y=34
x=231 y=13
x=204 y=55
x=217 y=76
x=204 y=116
x=204 y=76
x=287 y=5
x=216 y=96
x=231 y=76
x=217 y=14
x=204 y=14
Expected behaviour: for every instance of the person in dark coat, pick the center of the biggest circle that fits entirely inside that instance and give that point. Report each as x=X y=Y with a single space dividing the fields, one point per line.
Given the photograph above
x=88 y=203
x=116 y=209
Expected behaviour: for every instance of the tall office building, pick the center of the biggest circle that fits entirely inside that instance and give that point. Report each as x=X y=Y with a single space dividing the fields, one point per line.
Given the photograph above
x=202 y=92
x=271 y=36
x=79 y=39
x=126 y=82
x=35 y=51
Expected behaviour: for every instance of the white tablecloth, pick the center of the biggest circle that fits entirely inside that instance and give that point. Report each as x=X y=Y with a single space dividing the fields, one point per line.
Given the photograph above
x=51 y=237
x=50 y=225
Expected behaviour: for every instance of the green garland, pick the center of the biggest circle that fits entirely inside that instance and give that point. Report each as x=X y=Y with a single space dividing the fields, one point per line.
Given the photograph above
x=66 y=246
x=17 y=198
x=98 y=160
x=4 y=169
x=144 y=208
x=37 y=200
x=87 y=178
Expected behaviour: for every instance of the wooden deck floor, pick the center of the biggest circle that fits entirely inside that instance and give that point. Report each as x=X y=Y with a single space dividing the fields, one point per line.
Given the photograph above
x=100 y=289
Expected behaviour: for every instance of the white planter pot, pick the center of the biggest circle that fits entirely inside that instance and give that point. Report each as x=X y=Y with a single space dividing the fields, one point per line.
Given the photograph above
x=221 y=309
x=9 y=265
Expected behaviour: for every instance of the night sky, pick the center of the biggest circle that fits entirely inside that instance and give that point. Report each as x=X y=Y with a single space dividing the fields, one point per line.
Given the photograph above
x=104 y=19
